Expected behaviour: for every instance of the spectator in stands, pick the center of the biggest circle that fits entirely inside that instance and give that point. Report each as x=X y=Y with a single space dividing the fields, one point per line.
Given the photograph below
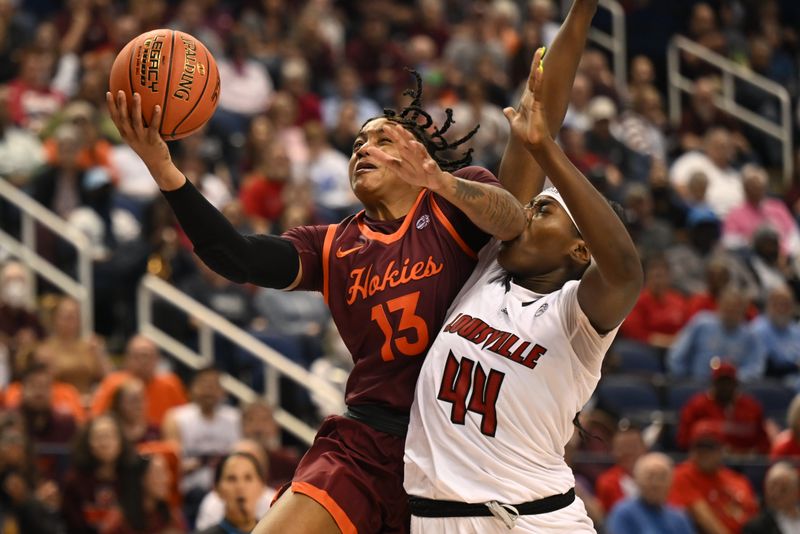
x=240 y=483
x=758 y=210
x=348 y=90
x=740 y=416
x=261 y=190
x=725 y=190
x=73 y=359
x=146 y=507
x=594 y=64
x=289 y=135
x=781 y=513
x=660 y=312
x=787 y=443
x=652 y=234
x=617 y=483
x=27 y=502
x=642 y=127
x=779 y=334
x=163 y=390
x=212 y=508
x=65 y=185
x=19 y=326
x=649 y=512
x=103 y=471
x=489 y=142
x=718 y=276
x=206 y=430
x=642 y=73
x=20 y=150
x=601 y=141
x=689 y=261
x=128 y=405
x=378 y=59
x=577 y=117
x=327 y=170
x=258 y=425
x=717 y=499
x=248 y=93
x=702 y=114
x=770 y=267
x=295 y=77
x=47 y=427
x=723 y=334
x=33 y=97
x=64 y=397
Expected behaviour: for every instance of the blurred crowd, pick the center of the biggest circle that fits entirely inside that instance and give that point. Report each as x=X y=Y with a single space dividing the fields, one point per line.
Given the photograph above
x=102 y=434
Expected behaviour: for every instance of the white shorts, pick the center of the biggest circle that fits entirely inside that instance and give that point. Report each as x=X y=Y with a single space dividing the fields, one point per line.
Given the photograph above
x=570 y=520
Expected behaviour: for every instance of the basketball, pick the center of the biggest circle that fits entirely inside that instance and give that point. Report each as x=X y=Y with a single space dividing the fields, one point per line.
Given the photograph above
x=171 y=69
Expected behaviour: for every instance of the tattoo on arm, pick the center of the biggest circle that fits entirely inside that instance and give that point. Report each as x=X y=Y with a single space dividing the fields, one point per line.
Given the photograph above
x=497 y=210
x=467 y=191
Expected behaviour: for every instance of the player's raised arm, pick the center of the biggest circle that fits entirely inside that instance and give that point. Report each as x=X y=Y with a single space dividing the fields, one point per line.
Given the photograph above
x=519 y=172
x=492 y=209
x=230 y=254
x=610 y=286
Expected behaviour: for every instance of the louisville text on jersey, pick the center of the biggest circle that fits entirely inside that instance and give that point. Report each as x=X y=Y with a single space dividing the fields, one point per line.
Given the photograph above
x=502 y=343
x=365 y=284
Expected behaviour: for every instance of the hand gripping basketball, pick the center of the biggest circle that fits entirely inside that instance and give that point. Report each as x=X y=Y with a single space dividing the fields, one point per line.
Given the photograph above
x=145 y=141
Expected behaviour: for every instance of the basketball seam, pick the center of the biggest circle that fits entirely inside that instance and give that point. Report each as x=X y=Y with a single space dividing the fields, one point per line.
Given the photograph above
x=131 y=75
x=169 y=75
x=199 y=98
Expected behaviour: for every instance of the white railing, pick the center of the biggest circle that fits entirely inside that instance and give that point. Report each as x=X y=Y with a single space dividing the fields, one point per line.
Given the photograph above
x=209 y=324
x=24 y=248
x=731 y=72
x=615 y=42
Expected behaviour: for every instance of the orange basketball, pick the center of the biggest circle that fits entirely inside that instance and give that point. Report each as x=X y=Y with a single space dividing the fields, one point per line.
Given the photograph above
x=171 y=69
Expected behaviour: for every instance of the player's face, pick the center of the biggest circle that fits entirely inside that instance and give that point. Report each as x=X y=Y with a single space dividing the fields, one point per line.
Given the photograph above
x=546 y=244
x=369 y=178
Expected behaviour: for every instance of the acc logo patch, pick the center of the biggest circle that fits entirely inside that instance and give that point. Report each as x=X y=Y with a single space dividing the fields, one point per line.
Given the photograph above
x=541 y=310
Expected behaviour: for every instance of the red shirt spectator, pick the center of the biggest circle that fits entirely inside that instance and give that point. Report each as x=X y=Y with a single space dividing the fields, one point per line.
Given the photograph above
x=660 y=312
x=786 y=446
x=65 y=399
x=787 y=443
x=617 y=483
x=740 y=416
x=716 y=497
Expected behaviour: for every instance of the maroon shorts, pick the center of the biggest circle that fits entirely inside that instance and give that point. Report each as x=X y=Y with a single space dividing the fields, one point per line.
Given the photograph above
x=356 y=473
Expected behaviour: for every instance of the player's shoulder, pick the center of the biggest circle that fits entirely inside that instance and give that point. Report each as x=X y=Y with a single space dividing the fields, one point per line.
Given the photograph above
x=474 y=173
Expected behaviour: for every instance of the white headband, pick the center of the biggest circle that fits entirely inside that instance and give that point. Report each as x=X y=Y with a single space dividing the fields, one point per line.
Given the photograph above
x=553 y=193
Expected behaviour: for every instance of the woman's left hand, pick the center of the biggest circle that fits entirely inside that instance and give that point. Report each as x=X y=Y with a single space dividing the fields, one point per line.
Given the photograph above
x=529 y=123
x=411 y=161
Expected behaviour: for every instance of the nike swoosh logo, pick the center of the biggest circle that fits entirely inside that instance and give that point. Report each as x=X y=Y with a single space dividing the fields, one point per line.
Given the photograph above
x=342 y=253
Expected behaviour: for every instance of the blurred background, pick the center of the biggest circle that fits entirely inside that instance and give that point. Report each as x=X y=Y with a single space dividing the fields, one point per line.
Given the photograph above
x=128 y=368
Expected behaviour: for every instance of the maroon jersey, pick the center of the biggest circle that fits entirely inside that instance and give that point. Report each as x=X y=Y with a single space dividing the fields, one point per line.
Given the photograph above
x=389 y=284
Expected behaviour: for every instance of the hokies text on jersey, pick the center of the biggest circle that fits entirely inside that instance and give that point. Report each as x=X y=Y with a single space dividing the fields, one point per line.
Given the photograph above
x=365 y=283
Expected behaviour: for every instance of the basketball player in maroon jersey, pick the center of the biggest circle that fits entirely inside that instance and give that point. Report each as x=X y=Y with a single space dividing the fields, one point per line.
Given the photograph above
x=388 y=275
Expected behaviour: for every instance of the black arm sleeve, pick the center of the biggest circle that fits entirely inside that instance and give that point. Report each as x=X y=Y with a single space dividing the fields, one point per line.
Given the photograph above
x=264 y=260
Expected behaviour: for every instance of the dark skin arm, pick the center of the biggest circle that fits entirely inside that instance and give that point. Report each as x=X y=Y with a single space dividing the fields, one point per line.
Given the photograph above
x=609 y=288
x=492 y=209
x=519 y=172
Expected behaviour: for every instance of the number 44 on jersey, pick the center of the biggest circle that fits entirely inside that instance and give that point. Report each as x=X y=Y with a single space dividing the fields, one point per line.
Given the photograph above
x=468 y=379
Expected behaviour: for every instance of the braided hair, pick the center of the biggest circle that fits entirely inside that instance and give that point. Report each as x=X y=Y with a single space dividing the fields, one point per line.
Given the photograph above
x=419 y=122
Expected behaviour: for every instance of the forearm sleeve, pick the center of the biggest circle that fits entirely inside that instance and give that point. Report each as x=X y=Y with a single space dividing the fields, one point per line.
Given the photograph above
x=264 y=260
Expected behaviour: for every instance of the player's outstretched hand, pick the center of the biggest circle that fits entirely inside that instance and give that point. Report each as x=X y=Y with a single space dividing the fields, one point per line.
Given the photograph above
x=146 y=141
x=529 y=123
x=412 y=163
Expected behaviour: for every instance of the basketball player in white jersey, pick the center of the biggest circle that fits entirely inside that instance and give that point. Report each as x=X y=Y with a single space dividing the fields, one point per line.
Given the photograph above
x=519 y=356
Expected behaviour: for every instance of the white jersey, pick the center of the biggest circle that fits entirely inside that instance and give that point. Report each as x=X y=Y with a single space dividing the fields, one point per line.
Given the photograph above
x=498 y=392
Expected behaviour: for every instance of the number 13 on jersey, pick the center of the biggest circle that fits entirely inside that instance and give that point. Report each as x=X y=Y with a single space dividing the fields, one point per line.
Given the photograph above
x=415 y=340
x=467 y=378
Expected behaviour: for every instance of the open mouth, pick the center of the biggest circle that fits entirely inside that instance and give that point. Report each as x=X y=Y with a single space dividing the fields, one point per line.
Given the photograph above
x=363 y=167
